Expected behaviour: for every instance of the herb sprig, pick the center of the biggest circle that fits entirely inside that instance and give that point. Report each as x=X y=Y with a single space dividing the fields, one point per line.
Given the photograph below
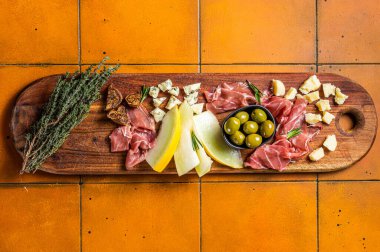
x=144 y=93
x=293 y=133
x=256 y=91
x=68 y=105
x=195 y=142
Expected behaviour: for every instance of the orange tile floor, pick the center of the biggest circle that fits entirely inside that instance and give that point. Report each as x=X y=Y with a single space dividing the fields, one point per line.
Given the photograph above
x=337 y=211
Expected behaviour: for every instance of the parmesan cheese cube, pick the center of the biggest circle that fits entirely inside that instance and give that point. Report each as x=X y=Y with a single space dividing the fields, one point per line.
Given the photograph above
x=340 y=98
x=158 y=114
x=311 y=84
x=197 y=108
x=330 y=143
x=173 y=101
x=158 y=101
x=174 y=91
x=192 y=88
x=317 y=154
x=153 y=91
x=278 y=88
x=166 y=85
x=192 y=98
x=323 y=105
x=312 y=97
x=291 y=94
x=328 y=89
x=311 y=118
x=327 y=117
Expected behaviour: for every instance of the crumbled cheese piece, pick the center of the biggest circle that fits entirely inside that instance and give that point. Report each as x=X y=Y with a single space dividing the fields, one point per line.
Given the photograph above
x=299 y=96
x=174 y=91
x=330 y=143
x=278 y=88
x=311 y=118
x=158 y=114
x=192 y=98
x=172 y=102
x=197 y=108
x=192 y=88
x=166 y=85
x=328 y=89
x=323 y=105
x=312 y=97
x=311 y=84
x=327 y=117
x=339 y=96
x=153 y=91
x=291 y=94
x=317 y=154
x=158 y=101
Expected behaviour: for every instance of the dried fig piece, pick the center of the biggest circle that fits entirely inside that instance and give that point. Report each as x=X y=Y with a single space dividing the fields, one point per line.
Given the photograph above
x=119 y=116
x=114 y=98
x=133 y=100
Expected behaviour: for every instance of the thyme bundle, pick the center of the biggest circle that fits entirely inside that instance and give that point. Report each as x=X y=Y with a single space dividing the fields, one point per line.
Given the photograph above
x=68 y=105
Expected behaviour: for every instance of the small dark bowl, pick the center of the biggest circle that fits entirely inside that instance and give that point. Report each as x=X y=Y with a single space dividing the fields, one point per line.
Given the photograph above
x=249 y=110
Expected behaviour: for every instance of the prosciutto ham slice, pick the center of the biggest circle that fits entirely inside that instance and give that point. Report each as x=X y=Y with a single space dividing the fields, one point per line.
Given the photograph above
x=229 y=96
x=136 y=138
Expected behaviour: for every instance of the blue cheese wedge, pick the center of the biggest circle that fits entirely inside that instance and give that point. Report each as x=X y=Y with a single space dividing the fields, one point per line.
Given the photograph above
x=323 y=105
x=340 y=98
x=311 y=118
x=153 y=91
x=192 y=98
x=317 y=154
x=197 y=108
x=172 y=102
x=158 y=114
x=327 y=117
x=330 y=143
x=189 y=89
x=291 y=94
x=328 y=89
x=311 y=84
x=166 y=85
x=174 y=91
x=158 y=101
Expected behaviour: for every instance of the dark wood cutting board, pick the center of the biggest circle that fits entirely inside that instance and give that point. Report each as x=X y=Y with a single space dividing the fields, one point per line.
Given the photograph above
x=87 y=149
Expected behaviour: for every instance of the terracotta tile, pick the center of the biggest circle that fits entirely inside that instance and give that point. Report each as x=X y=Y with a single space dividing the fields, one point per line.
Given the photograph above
x=140 y=31
x=14 y=80
x=158 y=177
x=263 y=216
x=349 y=217
x=39 y=218
x=257 y=69
x=348 y=31
x=369 y=166
x=257 y=31
x=39 y=32
x=140 y=217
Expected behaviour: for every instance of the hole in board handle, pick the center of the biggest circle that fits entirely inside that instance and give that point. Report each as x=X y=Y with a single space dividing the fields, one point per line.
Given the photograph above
x=349 y=121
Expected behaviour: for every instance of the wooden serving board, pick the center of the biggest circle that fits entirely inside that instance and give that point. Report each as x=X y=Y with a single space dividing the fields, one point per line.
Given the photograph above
x=87 y=149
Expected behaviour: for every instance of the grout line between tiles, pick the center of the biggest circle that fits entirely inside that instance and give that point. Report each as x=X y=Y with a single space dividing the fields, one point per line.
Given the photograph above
x=317 y=211
x=200 y=215
x=199 y=38
x=80 y=214
x=79 y=35
x=316 y=35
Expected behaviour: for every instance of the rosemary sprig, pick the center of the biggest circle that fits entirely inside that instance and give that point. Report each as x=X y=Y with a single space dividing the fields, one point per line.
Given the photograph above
x=144 y=93
x=68 y=105
x=256 y=91
x=195 y=142
x=293 y=133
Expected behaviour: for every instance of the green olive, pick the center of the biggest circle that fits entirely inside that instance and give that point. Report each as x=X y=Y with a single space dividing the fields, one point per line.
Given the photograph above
x=242 y=116
x=253 y=140
x=232 y=125
x=258 y=115
x=266 y=129
x=250 y=127
x=237 y=138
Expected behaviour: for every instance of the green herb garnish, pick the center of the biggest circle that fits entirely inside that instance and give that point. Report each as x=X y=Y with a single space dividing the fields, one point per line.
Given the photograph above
x=144 y=93
x=293 y=133
x=68 y=105
x=195 y=142
x=256 y=91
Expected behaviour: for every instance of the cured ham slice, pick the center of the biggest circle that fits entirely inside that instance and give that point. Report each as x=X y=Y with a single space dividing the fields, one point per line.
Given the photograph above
x=140 y=118
x=229 y=96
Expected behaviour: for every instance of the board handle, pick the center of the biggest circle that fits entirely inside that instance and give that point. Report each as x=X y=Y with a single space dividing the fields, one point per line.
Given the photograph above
x=350 y=121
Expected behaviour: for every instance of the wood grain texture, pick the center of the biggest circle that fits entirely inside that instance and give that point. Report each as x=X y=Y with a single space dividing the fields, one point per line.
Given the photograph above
x=87 y=149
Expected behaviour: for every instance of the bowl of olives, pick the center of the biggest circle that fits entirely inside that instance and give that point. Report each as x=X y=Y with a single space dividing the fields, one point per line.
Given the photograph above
x=249 y=127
